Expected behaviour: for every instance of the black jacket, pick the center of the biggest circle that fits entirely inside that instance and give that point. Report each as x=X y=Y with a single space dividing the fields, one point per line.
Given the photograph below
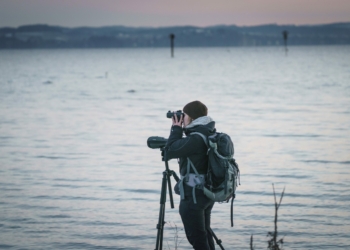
x=192 y=147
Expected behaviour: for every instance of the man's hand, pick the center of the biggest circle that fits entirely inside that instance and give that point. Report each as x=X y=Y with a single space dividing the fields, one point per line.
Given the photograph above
x=176 y=122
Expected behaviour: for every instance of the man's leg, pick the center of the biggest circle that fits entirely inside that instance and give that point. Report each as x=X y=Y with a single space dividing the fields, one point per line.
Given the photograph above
x=194 y=219
x=207 y=225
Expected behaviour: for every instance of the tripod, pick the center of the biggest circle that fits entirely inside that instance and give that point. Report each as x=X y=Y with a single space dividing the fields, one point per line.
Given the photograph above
x=167 y=182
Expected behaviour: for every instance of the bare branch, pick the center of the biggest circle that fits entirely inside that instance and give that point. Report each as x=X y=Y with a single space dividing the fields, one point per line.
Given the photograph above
x=281 y=197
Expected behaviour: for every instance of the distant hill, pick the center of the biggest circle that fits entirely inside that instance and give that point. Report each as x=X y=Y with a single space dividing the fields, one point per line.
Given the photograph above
x=45 y=36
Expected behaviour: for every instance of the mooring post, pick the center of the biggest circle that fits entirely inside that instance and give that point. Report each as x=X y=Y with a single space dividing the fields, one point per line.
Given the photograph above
x=172 y=36
x=285 y=38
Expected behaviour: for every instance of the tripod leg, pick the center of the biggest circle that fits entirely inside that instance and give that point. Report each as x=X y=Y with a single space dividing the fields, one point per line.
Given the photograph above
x=162 y=231
x=218 y=241
x=160 y=225
x=160 y=228
x=169 y=173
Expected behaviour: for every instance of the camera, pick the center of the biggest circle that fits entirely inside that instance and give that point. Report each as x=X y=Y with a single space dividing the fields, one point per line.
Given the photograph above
x=177 y=113
x=160 y=142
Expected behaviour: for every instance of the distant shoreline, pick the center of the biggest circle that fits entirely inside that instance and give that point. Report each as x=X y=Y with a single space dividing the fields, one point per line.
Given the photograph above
x=43 y=36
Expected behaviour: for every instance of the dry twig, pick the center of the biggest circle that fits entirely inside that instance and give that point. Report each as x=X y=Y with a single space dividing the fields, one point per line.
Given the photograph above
x=273 y=243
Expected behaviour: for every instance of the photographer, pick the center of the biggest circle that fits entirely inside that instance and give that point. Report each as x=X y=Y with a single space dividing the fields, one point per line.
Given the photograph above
x=195 y=212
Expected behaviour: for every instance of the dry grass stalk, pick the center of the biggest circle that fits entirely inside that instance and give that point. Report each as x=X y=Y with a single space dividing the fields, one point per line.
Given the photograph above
x=176 y=236
x=273 y=243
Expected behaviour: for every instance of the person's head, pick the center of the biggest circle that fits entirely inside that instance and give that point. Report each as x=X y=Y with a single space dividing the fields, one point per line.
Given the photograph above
x=194 y=110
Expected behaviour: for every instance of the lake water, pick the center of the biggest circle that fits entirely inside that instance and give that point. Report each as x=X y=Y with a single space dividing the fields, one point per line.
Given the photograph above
x=76 y=173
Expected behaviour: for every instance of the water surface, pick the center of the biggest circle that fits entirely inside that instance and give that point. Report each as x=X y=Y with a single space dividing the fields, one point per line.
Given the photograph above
x=76 y=173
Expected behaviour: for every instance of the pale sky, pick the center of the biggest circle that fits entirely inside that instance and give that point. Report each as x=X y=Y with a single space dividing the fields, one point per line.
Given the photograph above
x=160 y=13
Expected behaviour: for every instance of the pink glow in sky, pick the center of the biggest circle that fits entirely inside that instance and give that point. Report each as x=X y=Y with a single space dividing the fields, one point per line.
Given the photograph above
x=157 y=13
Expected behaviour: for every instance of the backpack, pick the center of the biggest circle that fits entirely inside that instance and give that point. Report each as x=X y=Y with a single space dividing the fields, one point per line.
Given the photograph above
x=223 y=171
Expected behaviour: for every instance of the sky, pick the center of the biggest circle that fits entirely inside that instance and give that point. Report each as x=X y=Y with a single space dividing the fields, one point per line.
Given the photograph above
x=160 y=13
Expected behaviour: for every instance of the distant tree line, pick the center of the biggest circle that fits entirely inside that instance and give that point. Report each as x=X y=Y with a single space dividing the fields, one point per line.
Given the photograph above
x=45 y=36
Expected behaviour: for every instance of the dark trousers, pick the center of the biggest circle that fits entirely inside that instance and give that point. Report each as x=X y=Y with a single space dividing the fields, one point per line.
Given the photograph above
x=196 y=220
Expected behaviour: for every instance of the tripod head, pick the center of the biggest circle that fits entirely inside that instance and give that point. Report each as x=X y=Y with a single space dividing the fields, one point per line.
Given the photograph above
x=155 y=142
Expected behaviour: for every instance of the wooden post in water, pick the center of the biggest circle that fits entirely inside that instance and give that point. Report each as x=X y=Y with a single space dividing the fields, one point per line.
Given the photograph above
x=285 y=38
x=172 y=37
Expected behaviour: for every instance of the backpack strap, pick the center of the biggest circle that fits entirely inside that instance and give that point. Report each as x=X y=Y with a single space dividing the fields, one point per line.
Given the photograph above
x=186 y=179
x=232 y=199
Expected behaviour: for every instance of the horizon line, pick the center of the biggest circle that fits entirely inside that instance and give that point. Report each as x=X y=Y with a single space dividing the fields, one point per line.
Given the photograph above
x=173 y=26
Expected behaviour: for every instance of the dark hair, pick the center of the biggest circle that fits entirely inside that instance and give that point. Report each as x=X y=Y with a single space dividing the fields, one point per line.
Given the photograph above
x=195 y=109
